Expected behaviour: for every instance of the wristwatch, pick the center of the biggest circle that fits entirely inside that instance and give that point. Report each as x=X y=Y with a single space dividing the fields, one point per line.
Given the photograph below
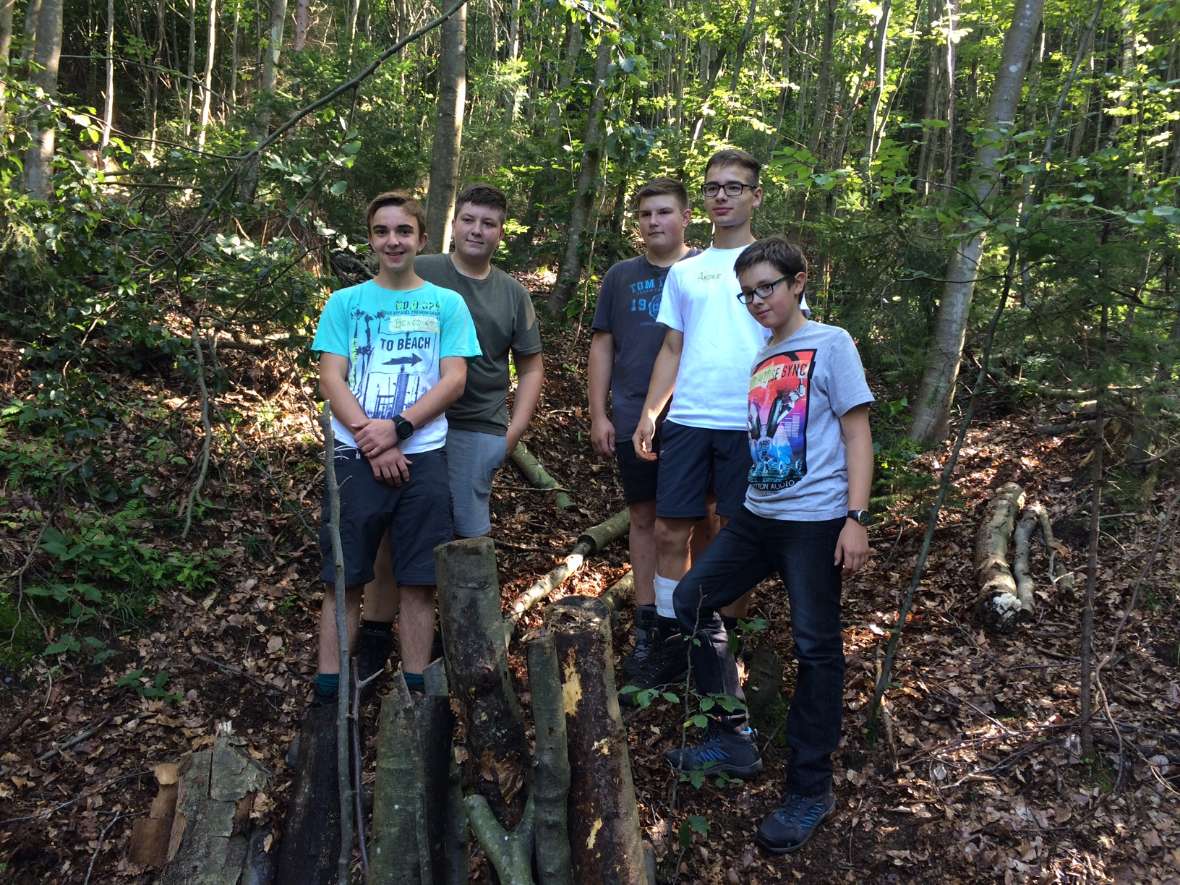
x=861 y=516
x=403 y=427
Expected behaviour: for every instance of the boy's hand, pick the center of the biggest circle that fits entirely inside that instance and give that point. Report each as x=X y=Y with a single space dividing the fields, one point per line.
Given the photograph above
x=852 y=549
x=602 y=437
x=642 y=439
x=374 y=436
x=391 y=466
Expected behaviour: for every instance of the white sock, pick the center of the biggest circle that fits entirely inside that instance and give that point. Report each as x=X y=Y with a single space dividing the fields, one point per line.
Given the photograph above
x=665 y=588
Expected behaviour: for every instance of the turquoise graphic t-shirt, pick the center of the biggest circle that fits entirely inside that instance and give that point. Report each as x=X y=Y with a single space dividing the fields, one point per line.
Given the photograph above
x=394 y=342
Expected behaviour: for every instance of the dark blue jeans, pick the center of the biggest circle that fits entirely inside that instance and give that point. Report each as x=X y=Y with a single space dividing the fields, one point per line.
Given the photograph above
x=746 y=551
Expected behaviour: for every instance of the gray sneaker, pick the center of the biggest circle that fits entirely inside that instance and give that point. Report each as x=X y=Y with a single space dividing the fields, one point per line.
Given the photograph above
x=789 y=826
x=722 y=751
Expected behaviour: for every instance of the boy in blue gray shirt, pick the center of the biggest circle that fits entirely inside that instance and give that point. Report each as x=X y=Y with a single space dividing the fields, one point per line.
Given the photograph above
x=804 y=517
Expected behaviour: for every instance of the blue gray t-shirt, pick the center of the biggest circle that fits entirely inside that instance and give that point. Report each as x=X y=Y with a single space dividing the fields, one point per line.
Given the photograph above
x=627 y=308
x=799 y=390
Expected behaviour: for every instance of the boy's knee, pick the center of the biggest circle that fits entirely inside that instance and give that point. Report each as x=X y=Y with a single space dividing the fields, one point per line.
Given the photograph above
x=672 y=534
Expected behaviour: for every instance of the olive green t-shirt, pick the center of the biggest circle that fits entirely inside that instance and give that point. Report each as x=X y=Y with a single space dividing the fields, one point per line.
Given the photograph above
x=504 y=320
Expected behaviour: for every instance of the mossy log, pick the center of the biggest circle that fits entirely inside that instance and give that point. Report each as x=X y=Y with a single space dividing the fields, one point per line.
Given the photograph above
x=475 y=640
x=999 y=606
x=603 y=818
x=212 y=840
x=539 y=477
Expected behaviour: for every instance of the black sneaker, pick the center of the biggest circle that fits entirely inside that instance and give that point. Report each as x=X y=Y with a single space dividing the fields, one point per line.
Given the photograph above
x=667 y=660
x=789 y=826
x=722 y=751
x=645 y=630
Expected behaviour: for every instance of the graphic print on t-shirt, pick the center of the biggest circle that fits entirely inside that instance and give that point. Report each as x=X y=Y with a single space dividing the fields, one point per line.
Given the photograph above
x=777 y=419
x=393 y=355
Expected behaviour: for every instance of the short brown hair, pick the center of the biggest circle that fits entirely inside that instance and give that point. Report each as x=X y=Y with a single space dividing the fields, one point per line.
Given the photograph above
x=395 y=198
x=787 y=258
x=735 y=157
x=659 y=187
x=483 y=195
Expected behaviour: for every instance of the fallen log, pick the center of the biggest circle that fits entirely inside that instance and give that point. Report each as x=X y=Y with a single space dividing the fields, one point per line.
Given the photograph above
x=590 y=541
x=532 y=470
x=475 y=639
x=212 y=839
x=998 y=605
x=605 y=844
x=620 y=593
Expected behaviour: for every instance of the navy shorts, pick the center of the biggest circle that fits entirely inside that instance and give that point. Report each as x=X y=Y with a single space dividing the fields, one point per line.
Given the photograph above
x=416 y=514
x=695 y=460
x=637 y=476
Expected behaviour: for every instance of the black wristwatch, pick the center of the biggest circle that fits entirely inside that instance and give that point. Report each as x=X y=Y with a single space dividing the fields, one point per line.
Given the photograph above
x=403 y=427
x=861 y=516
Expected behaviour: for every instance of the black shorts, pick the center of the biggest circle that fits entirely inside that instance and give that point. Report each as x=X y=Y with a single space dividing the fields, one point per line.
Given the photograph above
x=695 y=460
x=637 y=476
x=416 y=514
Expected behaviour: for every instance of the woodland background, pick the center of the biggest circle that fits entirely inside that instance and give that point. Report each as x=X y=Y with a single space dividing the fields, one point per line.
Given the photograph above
x=980 y=186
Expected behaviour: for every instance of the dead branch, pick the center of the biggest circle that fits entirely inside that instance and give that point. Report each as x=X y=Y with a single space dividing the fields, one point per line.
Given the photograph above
x=532 y=470
x=1000 y=605
x=206 y=426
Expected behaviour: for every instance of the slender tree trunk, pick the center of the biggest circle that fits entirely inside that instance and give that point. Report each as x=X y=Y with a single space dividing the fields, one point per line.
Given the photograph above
x=1085 y=692
x=29 y=47
x=929 y=109
x=571 y=264
x=937 y=390
x=108 y=108
x=5 y=48
x=302 y=21
x=264 y=94
x=874 y=108
x=191 y=69
x=448 y=131
x=233 y=55
x=39 y=159
x=824 y=90
x=207 y=82
x=739 y=53
x=948 y=172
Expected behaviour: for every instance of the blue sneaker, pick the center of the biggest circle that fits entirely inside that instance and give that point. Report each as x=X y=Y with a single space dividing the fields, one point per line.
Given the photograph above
x=789 y=826
x=723 y=751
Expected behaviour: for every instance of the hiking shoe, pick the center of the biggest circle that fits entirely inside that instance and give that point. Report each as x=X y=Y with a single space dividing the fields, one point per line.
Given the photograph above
x=667 y=658
x=722 y=751
x=789 y=826
x=645 y=638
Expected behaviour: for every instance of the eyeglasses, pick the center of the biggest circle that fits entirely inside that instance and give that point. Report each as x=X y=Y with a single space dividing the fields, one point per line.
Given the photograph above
x=732 y=188
x=764 y=291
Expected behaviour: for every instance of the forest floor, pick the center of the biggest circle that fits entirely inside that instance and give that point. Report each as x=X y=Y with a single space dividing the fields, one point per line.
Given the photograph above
x=979 y=776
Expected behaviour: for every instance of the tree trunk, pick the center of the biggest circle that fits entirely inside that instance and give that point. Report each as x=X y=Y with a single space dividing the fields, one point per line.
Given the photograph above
x=32 y=21
x=264 y=95
x=875 y=107
x=952 y=15
x=5 y=48
x=212 y=839
x=191 y=67
x=603 y=816
x=302 y=21
x=937 y=390
x=233 y=56
x=207 y=81
x=824 y=89
x=475 y=638
x=108 y=108
x=539 y=477
x=551 y=780
x=570 y=272
x=448 y=131
x=39 y=159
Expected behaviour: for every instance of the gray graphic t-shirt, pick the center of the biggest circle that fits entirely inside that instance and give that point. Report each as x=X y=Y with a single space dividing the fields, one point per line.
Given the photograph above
x=799 y=390
x=627 y=308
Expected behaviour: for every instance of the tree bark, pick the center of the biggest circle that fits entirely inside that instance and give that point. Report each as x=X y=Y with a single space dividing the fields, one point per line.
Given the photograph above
x=32 y=20
x=264 y=95
x=108 y=109
x=880 y=50
x=39 y=159
x=302 y=21
x=937 y=390
x=999 y=606
x=207 y=80
x=5 y=48
x=448 y=132
x=211 y=838
x=603 y=817
x=475 y=639
x=570 y=271
x=551 y=779
x=191 y=67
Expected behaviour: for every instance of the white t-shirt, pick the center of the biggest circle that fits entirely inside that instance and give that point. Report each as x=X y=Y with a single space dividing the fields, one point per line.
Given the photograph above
x=721 y=340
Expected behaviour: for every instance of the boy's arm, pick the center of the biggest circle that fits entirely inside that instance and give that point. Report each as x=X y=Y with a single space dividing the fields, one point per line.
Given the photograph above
x=852 y=549
x=334 y=388
x=530 y=377
x=659 y=391
x=373 y=437
x=602 y=431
